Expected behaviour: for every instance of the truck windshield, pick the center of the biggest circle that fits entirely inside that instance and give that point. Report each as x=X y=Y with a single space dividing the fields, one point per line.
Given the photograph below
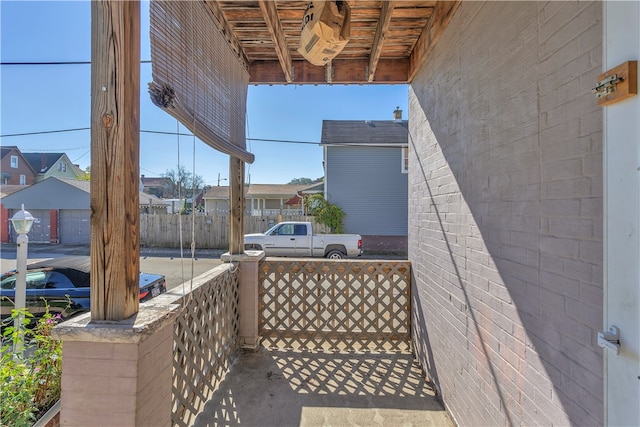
x=269 y=231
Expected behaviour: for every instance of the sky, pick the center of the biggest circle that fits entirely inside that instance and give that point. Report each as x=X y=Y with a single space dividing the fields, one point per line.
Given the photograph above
x=43 y=98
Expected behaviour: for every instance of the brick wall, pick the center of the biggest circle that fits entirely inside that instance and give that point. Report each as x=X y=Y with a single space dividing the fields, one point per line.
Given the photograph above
x=505 y=214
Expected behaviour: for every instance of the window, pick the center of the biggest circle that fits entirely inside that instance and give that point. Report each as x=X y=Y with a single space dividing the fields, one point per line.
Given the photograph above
x=23 y=179
x=14 y=162
x=300 y=230
x=405 y=159
x=286 y=230
x=62 y=167
x=8 y=282
x=58 y=281
x=36 y=280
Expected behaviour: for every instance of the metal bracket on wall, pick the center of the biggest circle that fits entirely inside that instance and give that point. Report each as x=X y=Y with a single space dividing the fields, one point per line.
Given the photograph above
x=617 y=83
x=329 y=72
x=610 y=339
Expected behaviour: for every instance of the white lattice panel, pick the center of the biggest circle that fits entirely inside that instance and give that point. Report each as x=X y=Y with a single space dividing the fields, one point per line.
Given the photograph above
x=335 y=305
x=205 y=344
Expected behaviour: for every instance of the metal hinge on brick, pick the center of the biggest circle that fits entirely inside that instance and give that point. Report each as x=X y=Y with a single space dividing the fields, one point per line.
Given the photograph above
x=607 y=86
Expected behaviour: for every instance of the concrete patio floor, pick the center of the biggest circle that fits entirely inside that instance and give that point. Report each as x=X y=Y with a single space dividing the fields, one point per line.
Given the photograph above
x=288 y=388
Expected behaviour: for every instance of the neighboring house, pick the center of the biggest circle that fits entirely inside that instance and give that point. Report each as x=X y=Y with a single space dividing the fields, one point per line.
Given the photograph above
x=62 y=210
x=261 y=199
x=14 y=168
x=365 y=166
x=47 y=165
x=158 y=186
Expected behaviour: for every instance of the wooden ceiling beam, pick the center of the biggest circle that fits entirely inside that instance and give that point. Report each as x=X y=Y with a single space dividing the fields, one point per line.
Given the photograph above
x=442 y=14
x=270 y=12
x=344 y=71
x=383 y=24
x=225 y=28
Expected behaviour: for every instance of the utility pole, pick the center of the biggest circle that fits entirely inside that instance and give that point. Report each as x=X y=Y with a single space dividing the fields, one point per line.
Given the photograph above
x=220 y=179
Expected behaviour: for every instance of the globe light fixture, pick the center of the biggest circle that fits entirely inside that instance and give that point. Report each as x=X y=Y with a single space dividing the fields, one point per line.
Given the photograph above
x=22 y=222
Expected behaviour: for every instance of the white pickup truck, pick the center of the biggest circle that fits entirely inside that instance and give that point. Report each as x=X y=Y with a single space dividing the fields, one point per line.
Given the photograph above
x=297 y=239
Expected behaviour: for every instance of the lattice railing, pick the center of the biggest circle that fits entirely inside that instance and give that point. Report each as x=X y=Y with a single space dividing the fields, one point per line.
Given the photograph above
x=335 y=305
x=205 y=344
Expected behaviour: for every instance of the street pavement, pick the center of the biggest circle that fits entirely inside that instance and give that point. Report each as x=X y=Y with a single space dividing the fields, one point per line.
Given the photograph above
x=177 y=267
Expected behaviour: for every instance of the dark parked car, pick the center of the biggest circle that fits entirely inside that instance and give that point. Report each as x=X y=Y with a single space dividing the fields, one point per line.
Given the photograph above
x=63 y=285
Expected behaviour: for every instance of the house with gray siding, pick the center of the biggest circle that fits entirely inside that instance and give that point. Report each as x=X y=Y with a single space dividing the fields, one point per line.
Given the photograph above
x=365 y=166
x=62 y=210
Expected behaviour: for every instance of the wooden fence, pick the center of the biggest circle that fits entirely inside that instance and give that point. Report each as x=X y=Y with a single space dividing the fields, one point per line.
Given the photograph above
x=211 y=232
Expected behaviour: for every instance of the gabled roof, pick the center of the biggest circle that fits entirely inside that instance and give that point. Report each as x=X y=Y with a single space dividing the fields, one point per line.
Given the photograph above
x=14 y=149
x=42 y=162
x=7 y=149
x=149 y=199
x=60 y=193
x=78 y=183
x=154 y=181
x=277 y=190
x=219 y=192
x=361 y=132
x=316 y=187
x=7 y=189
x=51 y=193
x=257 y=190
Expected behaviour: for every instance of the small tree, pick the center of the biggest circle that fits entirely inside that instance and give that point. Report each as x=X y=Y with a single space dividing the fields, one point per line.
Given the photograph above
x=326 y=213
x=183 y=182
x=85 y=175
x=301 y=181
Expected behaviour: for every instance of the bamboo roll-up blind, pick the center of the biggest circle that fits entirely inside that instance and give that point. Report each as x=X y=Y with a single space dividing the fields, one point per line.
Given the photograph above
x=197 y=78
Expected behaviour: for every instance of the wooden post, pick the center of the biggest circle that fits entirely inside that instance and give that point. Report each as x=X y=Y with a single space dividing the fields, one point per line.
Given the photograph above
x=236 y=206
x=115 y=146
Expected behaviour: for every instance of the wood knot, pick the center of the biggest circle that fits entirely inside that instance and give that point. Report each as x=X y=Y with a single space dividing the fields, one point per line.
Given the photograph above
x=107 y=120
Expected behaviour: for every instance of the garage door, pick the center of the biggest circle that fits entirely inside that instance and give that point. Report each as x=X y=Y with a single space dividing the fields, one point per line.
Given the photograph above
x=75 y=227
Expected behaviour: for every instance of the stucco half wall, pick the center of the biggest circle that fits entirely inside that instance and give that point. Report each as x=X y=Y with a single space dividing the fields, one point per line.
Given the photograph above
x=505 y=214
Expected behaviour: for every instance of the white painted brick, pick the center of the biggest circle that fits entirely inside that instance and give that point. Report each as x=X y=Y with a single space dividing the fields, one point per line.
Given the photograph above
x=516 y=193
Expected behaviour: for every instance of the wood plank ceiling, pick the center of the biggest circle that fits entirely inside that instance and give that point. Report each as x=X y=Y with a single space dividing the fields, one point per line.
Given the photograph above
x=390 y=40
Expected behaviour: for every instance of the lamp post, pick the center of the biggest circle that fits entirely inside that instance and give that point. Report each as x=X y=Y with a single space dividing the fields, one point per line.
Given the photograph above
x=220 y=179
x=22 y=222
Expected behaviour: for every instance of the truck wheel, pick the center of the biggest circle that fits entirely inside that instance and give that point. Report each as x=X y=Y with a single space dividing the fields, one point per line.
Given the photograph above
x=335 y=254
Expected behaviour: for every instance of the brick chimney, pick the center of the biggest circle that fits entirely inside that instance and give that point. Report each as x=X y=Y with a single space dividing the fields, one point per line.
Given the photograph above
x=397 y=114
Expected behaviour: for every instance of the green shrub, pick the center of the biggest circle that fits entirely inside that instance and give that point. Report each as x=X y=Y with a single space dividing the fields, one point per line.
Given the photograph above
x=30 y=383
x=326 y=213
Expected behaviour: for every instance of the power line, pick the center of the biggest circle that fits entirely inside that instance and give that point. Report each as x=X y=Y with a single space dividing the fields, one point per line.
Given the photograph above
x=42 y=132
x=286 y=141
x=145 y=61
